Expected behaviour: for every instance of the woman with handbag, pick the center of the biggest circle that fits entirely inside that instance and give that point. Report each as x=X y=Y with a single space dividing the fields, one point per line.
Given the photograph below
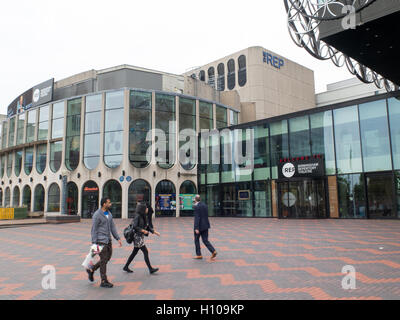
x=141 y=228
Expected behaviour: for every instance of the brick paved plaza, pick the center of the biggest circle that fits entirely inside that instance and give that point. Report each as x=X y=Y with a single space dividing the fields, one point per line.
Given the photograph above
x=257 y=259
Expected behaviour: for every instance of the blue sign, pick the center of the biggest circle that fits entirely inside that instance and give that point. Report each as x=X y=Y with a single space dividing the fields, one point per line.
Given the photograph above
x=121 y=179
x=129 y=178
x=273 y=60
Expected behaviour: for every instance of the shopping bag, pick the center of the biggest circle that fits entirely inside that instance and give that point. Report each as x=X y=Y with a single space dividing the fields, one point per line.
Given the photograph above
x=92 y=257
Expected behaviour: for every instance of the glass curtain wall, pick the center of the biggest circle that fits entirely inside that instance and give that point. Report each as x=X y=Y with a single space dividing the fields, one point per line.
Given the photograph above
x=140 y=124
x=279 y=144
x=57 y=121
x=299 y=137
x=351 y=192
x=11 y=133
x=113 y=128
x=28 y=161
x=20 y=129
x=9 y=163
x=394 y=117
x=18 y=162
x=187 y=132
x=221 y=117
x=72 y=139
x=166 y=122
x=91 y=153
x=206 y=115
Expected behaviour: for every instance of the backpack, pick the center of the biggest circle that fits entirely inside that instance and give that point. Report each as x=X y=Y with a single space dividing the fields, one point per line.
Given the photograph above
x=128 y=233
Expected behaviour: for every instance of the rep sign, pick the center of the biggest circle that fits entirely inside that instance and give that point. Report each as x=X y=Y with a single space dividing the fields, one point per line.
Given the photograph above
x=273 y=60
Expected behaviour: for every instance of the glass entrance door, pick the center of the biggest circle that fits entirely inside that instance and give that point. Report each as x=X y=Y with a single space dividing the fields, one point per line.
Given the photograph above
x=380 y=196
x=302 y=199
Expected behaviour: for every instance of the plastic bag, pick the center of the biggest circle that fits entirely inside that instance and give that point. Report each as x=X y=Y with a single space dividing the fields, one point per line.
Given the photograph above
x=92 y=257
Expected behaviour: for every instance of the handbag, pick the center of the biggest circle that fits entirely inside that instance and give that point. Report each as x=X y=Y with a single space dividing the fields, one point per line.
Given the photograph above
x=128 y=233
x=92 y=257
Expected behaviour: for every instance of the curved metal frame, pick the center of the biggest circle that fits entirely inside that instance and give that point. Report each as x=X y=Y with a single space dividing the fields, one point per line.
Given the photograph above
x=304 y=18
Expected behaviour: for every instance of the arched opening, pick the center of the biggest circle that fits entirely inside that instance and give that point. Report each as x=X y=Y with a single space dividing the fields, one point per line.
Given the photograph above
x=53 y=198
x=16 y=196
x=242 y=72
x=231 y=74
x=1 y=197
x=202 y=75
x=38 y=203
x=139 y=190
x=72 y=198
x=7 y=198
x=165 y=204
x=27 y=197
x=221 y=77
x=187 y=192
x=90 y=199
x=112 y=190
x=211 y=77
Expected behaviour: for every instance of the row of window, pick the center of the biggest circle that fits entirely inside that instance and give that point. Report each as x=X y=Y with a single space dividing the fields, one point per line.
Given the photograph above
x=360 y=138
x=139 y=190
x=140 y=124
x=230 y=75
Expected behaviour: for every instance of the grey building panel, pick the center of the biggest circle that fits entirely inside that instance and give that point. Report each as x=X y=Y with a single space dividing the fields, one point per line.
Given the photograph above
x=74 y=90
x=129 y=78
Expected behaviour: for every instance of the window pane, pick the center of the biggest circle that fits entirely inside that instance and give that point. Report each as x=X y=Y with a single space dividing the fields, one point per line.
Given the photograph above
x=115 y=100
x=261 y=153
x=94 y=103
x=54 y=198
x=55 y=155
x=72 y=145
x=31 y=126
x=44 y=114
x=347 y=140
x=299 y=137
x=28 y=161
x=92 y=145
x=43 y=130
x=279 y=144
x=242 y=73
x=9 y=164
x=58 y=128
x=18 y=162
x=74 y=107
x=375 y=136
x=322 y=139
x=11 y=133
x=140 y=100
x=20 y=129
x=92 y=122
x=351 y=196
x=394 y=116
x=114 y=120
x=41 y=155
x=58 y=110
x=72 y=152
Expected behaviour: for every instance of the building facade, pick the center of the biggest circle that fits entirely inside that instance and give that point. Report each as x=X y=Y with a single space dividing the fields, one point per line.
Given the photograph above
x=92 y=133
x=337 y=161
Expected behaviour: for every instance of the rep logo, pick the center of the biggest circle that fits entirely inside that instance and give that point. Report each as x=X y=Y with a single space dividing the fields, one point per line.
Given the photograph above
x=273 y=60
x=288 y=170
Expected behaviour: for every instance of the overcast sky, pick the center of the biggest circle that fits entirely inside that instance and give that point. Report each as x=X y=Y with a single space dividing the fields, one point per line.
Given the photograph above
x=43 y=39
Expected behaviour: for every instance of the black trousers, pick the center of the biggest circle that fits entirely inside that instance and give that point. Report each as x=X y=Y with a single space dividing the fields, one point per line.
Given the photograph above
x=133 y=255
x=105 y=256
x=204 y=238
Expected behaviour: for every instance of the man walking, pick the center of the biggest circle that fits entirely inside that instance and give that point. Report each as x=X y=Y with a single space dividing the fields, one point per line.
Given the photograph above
x=102 y=228
x=201 y=226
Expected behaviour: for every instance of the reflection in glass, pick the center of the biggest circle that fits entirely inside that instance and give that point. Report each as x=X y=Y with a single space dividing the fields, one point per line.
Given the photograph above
x=279 y=144
x=299 y=137
x=28 y=161
x=221 y=117
x=394 y=117
x=43 y=127
x=351 y=196
x=112 y=190
x=206 y=115
x=72 y=145
x=187 y=121
x=18 y=162
x=55 y=155
x=11 y=133
x=139 y=190
x=41 y=157
x=90 y=199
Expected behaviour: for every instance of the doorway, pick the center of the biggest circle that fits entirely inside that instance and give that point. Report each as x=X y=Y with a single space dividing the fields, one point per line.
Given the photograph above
x=302 y=199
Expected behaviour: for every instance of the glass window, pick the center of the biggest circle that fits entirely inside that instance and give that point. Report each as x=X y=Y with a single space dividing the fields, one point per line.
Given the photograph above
x=231 y=74
x=112 y=189
x=11 y=133
x=211 y=77
x=53 y=204
x=27 y=197
x=299 y=137
x=20 y=129
x=279 y=145
x=221 y=117
x=242 y=72
x=206 y=115
x=139 y=190
x=55 y=155
x=91 y=153
x=221 y=77
x=165 y=121
x=262 y=199
x=1 y=198
x=16 y=196
x=72 y=145
x=58 y=121
x=9 y=164
x=262 y=166
x=347 y=140
x=4 y=135
x=90 y=199
x=3 y=166
x=28 y=161
x=394 y=117
x=202 y=75
x=72 y=198
x=165 y=199
x=234 y=116
x=7 y=198
x=375 y=136
x=43 y=127
x=227 y=156
x=31 y=126
x=41 y=158
x=187 y=121
x=140 y=124
x=39 y=199
x=187 y=191
x=351 y=196
x=18 y=162
x=322 y=139
x=114 y=124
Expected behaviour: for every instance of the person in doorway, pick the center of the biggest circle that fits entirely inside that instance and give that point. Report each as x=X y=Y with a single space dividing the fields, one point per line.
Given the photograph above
x=201 y=226
x=141 y=228
x=102 y=228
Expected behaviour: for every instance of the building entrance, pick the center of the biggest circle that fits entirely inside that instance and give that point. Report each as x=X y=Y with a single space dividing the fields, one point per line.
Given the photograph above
x=302 y=199
x=380 y=196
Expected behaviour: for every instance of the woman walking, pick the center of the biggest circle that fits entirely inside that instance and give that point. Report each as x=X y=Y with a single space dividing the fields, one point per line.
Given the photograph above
x=142 y=226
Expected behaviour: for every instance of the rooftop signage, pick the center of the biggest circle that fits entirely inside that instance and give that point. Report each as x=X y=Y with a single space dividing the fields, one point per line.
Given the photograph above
x=40 y=94
x=273 y=60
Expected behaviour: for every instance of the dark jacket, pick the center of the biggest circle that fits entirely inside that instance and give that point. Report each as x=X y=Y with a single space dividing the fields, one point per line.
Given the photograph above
x=201 y=221
x=140 y=220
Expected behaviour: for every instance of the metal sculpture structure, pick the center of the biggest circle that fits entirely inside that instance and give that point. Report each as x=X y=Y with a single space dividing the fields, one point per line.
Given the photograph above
x=304 y=19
